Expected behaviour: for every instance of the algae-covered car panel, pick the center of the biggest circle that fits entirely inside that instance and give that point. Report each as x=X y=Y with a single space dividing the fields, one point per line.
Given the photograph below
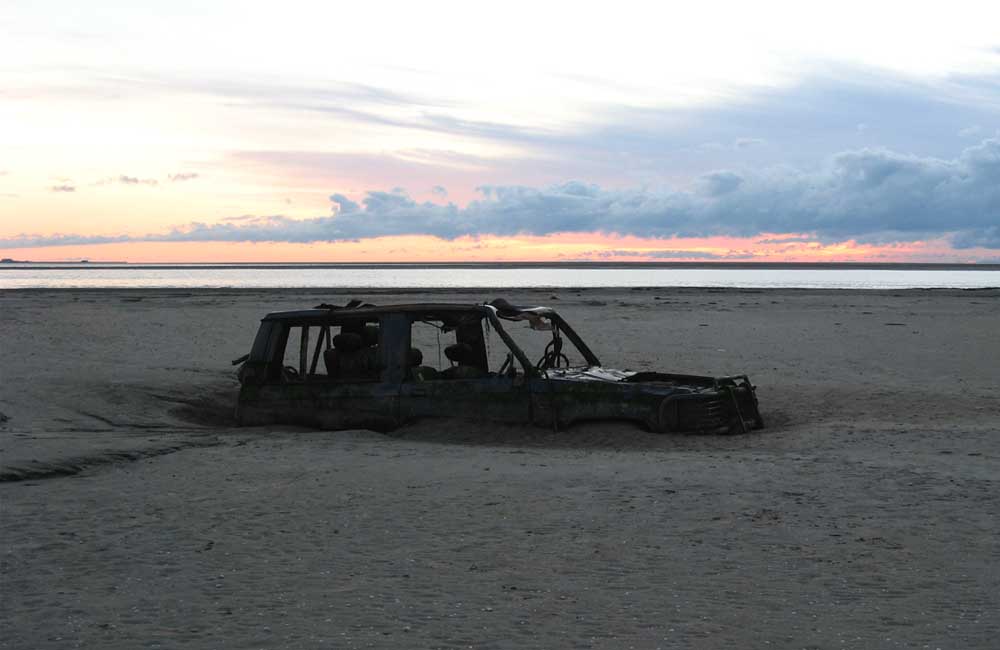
x=366 y=366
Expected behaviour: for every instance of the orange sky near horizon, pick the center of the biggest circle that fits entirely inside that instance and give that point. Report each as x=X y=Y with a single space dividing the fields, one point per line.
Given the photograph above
x=560 y=247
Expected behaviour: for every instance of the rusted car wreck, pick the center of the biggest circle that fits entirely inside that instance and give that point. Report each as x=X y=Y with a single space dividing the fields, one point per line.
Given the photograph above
x=366 y=366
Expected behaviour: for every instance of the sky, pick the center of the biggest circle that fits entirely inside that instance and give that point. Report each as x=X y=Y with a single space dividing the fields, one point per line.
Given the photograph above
x=438 y=131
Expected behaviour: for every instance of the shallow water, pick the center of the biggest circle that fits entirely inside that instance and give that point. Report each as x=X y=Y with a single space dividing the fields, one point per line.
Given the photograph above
x=22 y=276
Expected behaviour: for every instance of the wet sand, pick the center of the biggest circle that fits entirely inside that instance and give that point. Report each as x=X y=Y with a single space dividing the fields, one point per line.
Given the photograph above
x=865 y=515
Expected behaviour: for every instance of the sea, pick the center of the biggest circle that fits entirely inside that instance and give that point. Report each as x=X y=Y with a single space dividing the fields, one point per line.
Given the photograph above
x=92 y=275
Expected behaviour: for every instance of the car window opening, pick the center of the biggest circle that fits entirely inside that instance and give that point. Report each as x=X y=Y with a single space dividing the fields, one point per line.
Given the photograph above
x=461 y=349
x=350 y=352
x=551 y=352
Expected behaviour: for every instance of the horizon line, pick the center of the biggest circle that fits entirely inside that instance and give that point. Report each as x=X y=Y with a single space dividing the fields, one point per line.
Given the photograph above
x=41 y=265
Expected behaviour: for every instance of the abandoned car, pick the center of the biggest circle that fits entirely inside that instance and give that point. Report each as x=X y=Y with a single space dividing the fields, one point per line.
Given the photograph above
x=377 y=367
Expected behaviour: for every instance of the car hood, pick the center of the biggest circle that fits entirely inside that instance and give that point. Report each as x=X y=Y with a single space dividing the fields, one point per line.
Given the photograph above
x=593 y=373
x=648 y=380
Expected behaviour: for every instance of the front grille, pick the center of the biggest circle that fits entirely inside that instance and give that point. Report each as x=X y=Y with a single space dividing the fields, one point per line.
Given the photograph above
x=703 y=414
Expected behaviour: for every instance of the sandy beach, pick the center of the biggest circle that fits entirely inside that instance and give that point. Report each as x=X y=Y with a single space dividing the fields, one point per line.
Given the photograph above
x=134 y=514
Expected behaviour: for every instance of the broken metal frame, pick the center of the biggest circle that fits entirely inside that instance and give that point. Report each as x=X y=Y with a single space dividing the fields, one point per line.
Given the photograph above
x=270 y=346
x=690 y=410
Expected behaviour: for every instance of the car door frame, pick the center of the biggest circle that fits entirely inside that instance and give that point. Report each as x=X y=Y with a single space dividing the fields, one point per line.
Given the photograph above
x=497 y=398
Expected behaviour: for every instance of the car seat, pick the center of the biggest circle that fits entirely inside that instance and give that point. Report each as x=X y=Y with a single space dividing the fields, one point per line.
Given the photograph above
x=463 y=356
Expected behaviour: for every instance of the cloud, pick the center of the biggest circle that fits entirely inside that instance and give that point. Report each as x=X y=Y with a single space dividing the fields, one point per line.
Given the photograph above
x=342 y=204
x=122 y=83
x=800 y=122
x=868 y=195
x=27 y=241
x=808 y=117
x=124 y=179
x=988 y=237
x=354 y=102
x=787 y=240
x=721 y=182
x=179 y=178
x=358 y=171
x=613 y=143
x=62 y=188
x=662 y=254
x=438 y=190
x=243 y=217
x=132 y=180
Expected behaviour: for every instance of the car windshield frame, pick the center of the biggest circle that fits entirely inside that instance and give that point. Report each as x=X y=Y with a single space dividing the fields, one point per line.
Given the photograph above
x=536 y=317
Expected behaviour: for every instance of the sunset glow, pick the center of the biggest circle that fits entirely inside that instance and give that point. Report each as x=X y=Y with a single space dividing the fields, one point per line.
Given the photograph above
x=707 y=133
x=555 y=248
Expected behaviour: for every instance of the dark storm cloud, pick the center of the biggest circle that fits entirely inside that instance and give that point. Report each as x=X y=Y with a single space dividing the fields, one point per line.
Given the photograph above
x=871 y=195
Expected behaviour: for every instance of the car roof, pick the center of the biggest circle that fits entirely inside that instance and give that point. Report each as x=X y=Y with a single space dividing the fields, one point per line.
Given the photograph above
x=325 y=312
x=372 y=310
